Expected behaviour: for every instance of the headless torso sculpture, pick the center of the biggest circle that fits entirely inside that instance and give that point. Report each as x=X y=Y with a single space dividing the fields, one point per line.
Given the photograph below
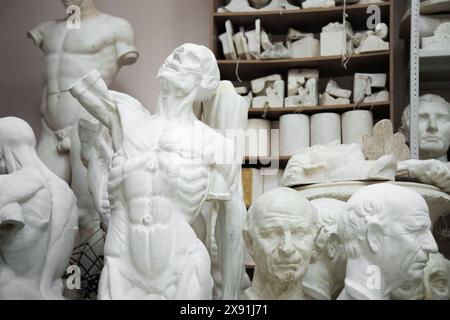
x=100 y=42
x=164 y=169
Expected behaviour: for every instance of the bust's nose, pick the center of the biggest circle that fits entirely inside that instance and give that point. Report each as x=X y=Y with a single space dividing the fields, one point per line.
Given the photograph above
x=286 y=245
x=432 y=125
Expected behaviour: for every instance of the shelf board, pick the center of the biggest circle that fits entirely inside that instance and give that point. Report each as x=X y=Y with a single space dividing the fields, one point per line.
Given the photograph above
x=258 y=162
x=307 y=20
x=435 y=66
x=331 y=66
x=275 y=113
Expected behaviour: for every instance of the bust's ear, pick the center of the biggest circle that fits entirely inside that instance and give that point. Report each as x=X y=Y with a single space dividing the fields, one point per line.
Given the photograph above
x=375 y=236
x=210 y=83
x=248 y=241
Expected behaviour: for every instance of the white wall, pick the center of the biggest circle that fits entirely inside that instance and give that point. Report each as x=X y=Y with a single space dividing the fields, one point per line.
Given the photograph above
x=160 y=26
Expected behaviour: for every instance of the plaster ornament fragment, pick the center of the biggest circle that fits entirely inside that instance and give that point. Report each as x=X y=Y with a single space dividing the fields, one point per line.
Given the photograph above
x=236 y=6
x=374 y=212
x=435 y=284
x=310 y=4
x=440 y=40
x=334 y=95
x=334 y=39
x=106 y=43
x=383 y=141
x=240 y=44
x=355 y=125
x=254 y=40
x=279 y=234
x=326 y=275
x=364 y=83
x=276 y=51
x=307 y=47
x=326 y=128
x=38 y=219
x=154 y=247
x=253 y=185
x=336 y=163
x=229 y=51
x=371 y=40
x=294 y=133
x=279 y=5
x=269 y=92
x=258 y=138
x=328 y=100
x=434 y=142
x=265 y=40
x=303 y=88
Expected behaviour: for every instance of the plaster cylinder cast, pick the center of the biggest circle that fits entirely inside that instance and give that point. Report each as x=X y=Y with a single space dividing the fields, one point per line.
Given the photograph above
x=294 y=133
x=258 y=138
x=325 y=128
x=355 y=125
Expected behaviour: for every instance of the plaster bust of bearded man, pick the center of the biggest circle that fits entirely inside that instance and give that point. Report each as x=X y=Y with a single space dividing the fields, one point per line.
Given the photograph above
x=279 y=235
x=435 y=284
x=38 y=219
x=102 y=42
x=326 y=275
x=387 y=237
x=165 y=168
x=434 y=129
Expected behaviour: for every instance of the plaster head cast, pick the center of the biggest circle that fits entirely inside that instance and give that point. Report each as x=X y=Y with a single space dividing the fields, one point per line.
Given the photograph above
x=38 y=219
x=326 y=275
x=387 y=237
x=434 y=127
x=279 y=235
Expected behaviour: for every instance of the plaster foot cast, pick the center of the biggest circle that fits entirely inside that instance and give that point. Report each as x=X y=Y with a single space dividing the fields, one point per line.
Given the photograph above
x=387 y=238
x=434 y=131
x=236 y=6
x=325 y=277
x=279 y=235
x=103 y=42
x=435 y=284
x=38 y=219
x=335 y=163
x=165 y=168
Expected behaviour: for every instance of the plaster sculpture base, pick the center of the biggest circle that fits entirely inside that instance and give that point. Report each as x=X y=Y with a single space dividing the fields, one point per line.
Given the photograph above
x=438 y=201
x=355 y=125
x=294 y=133
x=325 y=128
x=336 y=162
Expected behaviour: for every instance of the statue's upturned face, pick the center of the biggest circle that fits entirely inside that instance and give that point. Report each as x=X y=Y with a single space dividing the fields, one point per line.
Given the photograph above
x=434 y=126
x=283 y=246
x=437 y=280
x=68 y=3
x=411 y=290
x=407 y=243
x=182 y=70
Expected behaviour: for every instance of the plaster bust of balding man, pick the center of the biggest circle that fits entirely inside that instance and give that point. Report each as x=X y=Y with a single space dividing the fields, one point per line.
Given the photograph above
x=279 y=235
x=387 y=238
x=434 y=129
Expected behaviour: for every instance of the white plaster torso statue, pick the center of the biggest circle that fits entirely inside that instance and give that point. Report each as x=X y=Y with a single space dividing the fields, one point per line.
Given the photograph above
x=279 y=235
x=435 y=284
x=326 y=275
x=336 y=162
x=38 y=219
x=102 y=42
x=387 y=237
x=165 y=168
x=434 y=129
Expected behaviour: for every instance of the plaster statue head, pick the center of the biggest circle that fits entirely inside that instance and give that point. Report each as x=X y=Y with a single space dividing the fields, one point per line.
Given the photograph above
x=387 y=226
x=434 y=126
x=279 y=235
x=325 y=277
x=433 y=286
x=17 y=144
x=436 y=278
x=190 y=69
x=79 y=3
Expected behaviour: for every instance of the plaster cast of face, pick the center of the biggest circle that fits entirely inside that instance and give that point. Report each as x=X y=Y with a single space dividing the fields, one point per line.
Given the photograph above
x=436 y=278
x=393 y=226
x=411 y=290
x=280 y=238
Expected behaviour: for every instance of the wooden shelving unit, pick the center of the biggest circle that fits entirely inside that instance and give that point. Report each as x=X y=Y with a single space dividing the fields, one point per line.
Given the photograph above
x=277 y=23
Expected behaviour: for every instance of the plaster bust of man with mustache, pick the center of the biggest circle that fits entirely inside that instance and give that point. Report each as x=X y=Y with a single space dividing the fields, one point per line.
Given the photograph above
x=434 y=129
x=279 y=235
